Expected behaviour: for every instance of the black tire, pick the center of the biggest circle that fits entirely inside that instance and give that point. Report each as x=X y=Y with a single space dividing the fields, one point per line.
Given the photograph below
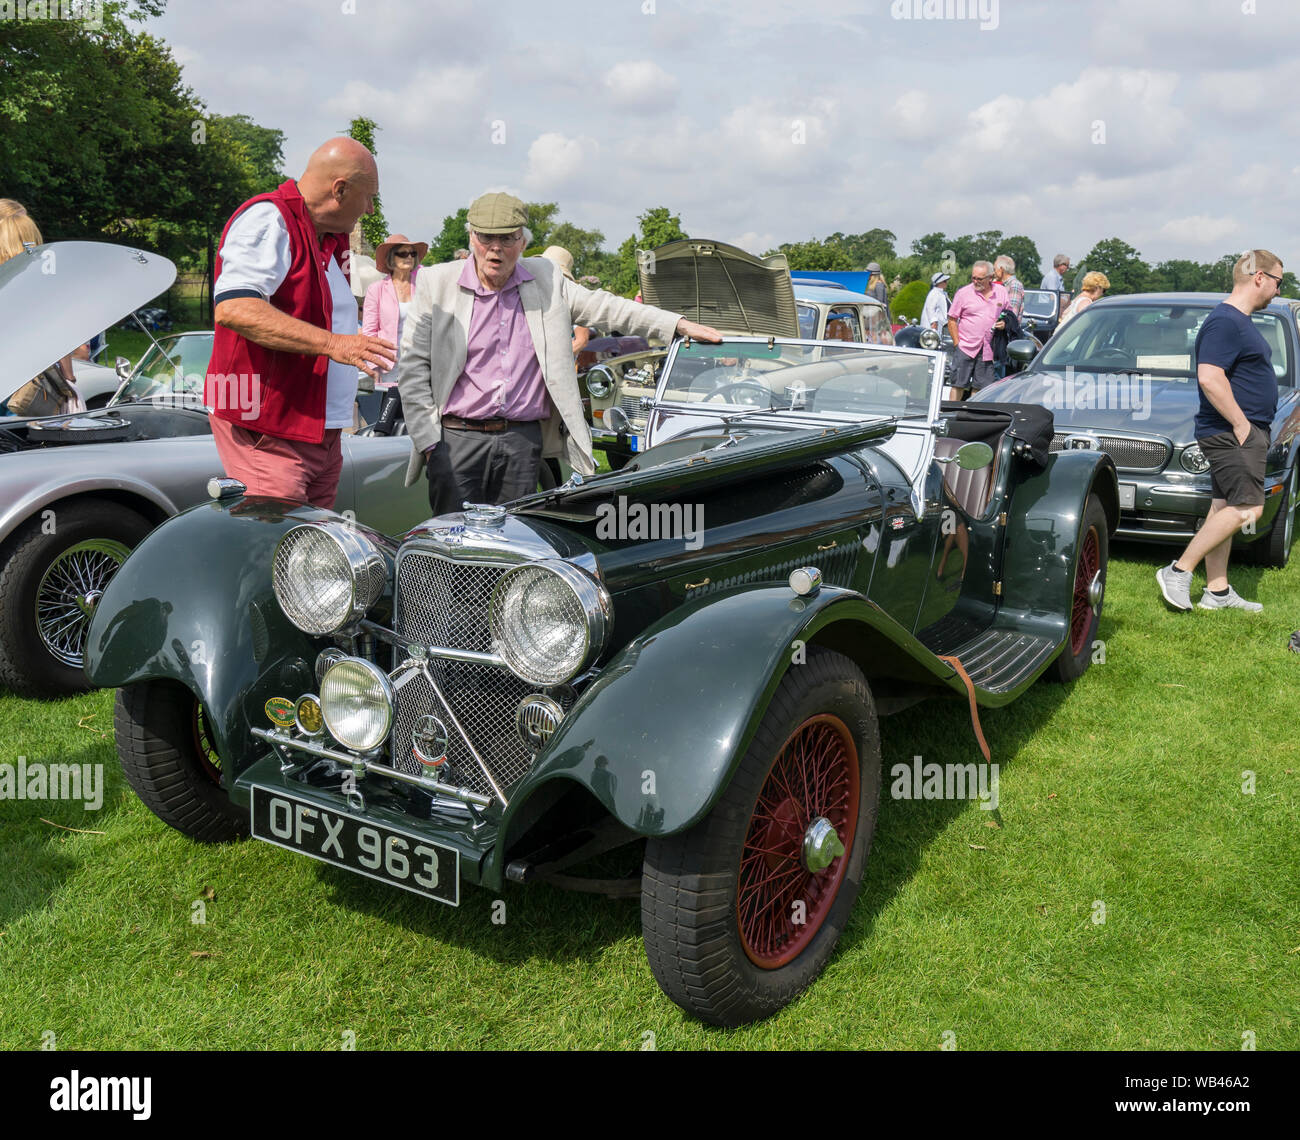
x=701 y=944
x=1274 y=549
x=1084 y=618
x=41 y=650
x=168 y=758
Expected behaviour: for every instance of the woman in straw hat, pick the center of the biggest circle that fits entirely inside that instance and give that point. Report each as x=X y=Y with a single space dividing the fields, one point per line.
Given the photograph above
x=389 y=298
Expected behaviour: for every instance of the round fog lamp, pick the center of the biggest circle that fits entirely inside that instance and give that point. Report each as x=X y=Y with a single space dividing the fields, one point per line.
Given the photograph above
x=356 y=700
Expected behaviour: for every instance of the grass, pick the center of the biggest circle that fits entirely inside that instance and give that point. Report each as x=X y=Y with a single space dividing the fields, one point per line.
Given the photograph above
x=1123 y=790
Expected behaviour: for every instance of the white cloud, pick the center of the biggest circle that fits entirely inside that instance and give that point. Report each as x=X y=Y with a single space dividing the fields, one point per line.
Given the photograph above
x=1199 y=230
x=640 y=85
x=556 y=161
x=445 y=104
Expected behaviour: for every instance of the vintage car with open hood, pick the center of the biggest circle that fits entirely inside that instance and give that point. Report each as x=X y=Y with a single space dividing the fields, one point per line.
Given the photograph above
x=689 y=655
x=81 y=490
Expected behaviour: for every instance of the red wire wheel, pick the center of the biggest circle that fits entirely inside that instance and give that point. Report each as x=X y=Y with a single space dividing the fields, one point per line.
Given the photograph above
x=815 y=775
x=1082 y=615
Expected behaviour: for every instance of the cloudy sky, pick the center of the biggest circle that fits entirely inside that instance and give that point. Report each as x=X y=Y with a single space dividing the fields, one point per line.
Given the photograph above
x=1164 y=122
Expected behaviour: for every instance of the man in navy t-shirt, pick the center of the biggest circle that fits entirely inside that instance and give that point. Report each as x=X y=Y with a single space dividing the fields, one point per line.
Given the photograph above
x=1238 y=399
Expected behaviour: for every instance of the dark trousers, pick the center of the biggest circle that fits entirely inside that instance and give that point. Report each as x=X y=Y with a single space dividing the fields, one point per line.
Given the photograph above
x=483 y=466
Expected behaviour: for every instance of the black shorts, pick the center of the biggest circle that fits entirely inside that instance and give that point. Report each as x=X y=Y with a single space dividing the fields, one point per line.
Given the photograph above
x=1237 y=470
x=970 y=371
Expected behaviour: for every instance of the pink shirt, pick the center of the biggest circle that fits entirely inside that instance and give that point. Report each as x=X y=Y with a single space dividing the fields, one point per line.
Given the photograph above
x=502 y=375
x=975 y=317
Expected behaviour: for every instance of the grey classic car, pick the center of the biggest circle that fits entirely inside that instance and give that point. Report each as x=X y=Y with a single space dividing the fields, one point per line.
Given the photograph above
x=79 y=492
x=723 y=286
x=1121 y=378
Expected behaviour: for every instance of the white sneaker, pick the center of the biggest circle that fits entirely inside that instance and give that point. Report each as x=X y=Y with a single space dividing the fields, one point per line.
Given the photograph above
x=1230 y=601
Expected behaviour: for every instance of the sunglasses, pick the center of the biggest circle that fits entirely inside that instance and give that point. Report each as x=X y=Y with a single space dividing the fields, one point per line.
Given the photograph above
x=1274 y=276
x=403 y=253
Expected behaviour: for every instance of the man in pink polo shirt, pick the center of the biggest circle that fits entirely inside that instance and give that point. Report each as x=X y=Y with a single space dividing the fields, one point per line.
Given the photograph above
x=486 y=367
x=972 y=317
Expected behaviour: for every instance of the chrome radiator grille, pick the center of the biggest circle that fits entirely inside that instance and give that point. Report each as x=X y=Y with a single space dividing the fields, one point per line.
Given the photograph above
x=1130 y=454
x=445 y=603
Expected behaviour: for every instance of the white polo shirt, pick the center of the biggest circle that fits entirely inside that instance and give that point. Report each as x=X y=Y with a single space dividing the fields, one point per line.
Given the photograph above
x=936 y=308
x=256 y=255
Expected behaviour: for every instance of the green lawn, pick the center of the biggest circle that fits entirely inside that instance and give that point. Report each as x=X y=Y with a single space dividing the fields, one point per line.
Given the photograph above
x=1125 y=790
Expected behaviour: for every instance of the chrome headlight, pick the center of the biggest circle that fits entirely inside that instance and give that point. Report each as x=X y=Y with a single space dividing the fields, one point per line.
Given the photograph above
x=356 y=700
x=1194 y=460
x=600 y=381
x=326 y=576
x=929 y=339
x=548 y=620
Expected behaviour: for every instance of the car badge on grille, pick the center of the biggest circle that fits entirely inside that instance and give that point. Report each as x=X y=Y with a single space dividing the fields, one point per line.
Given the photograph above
x=1078 y=443
x=537 y=719
x=429 y=743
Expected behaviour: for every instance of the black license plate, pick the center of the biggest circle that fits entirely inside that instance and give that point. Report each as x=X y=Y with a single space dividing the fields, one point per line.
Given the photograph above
x=375 y=850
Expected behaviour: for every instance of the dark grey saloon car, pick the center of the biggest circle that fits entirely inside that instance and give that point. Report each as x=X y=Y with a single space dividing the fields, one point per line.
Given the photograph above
x=1121 y=378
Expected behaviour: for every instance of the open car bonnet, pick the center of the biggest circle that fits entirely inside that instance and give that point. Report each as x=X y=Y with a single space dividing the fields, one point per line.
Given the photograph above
x=55 y=297
x=720 y=285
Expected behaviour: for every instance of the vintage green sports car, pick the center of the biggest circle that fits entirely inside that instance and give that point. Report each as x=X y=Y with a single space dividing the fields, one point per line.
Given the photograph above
x=690 y=653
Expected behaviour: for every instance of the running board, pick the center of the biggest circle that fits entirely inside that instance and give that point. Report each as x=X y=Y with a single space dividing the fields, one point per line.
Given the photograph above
x=998 y=661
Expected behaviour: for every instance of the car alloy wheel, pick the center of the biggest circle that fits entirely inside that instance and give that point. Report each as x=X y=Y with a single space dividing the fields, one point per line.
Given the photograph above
x=68 y=593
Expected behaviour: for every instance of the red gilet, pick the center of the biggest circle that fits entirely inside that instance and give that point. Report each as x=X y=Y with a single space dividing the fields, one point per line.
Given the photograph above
x=290 y=386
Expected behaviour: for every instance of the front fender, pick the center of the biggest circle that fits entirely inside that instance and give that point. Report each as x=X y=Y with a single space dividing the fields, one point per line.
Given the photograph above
x=194 y=604
x=658 y=735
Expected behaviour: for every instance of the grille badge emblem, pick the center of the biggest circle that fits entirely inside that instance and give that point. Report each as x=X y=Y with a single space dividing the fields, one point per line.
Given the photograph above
x=429 y=743
x=537 y=719
x=1079 y=443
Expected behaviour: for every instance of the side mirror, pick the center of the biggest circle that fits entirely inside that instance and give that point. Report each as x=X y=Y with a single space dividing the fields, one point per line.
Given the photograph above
x=122 y=367
x=1022 y=351
x=615 y=419
x=970 y=456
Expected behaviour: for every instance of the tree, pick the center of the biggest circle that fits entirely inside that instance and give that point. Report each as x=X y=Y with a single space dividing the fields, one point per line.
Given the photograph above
x=263 y=148
x=658 y=227
x=1121 y=264
x=373 y=226
x=815 y=254
x=451 y=237
x=874 y=245
x=910 y=300
x=1025 y=254
x=585 y=245
x=541 y=221
x=931 y=247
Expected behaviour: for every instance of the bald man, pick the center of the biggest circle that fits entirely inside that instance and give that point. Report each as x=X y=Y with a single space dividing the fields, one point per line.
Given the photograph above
x=283 y=375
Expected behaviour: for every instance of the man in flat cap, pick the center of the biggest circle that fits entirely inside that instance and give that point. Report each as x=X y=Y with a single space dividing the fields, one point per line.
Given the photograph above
x=486 y=367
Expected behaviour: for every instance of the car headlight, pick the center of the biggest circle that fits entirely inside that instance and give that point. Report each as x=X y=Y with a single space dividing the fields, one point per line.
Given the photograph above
x=548 y=620
x=356 y=701
x=600 y=381
x=326 y=576
x=1194 y=460
x=929 y=339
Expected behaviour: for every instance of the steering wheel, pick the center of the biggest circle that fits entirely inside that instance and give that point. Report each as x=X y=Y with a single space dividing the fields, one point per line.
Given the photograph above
x=1111 y=353
x=750 y=385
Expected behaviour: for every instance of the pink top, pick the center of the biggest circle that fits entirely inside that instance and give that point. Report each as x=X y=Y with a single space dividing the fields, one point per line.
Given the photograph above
x=502 y=375
x=381 y=316
x=975 y=317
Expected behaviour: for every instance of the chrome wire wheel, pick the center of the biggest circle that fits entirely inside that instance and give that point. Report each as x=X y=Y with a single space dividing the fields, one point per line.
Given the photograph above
x=70 y=590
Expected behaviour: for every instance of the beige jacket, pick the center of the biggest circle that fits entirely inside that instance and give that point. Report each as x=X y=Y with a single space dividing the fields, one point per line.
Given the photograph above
x=436 y=331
